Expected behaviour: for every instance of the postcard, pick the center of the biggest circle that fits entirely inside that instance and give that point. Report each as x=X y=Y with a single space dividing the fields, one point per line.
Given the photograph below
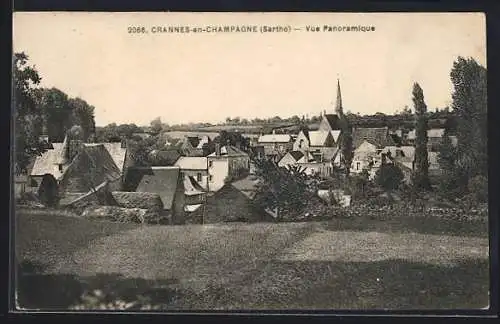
x=175 y=161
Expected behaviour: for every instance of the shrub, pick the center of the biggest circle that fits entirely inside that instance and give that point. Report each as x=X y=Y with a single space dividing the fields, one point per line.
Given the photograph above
x=478 y=188
x=389 y=176
x=116 y=214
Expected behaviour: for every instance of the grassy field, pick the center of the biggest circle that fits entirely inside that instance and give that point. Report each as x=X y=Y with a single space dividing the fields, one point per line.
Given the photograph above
x=329 y=265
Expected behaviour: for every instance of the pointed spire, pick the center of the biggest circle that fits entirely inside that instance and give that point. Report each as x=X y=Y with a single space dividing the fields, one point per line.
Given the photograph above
x=338 y=104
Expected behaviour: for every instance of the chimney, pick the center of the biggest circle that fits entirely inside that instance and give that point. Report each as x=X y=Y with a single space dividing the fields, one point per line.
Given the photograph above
x=217 y=149
x=123 y=142
x=74 y=147
x=43 y=138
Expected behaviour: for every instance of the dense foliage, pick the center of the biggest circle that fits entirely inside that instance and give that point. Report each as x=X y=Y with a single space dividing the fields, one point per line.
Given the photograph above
x=27 y=115
x=44 y=111
x=470 y=105
x=389 y=176
x=283 y=189
x=421 y=176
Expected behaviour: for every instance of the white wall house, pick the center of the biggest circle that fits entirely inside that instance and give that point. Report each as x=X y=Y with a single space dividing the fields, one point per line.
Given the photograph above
x=196 y=167
x=227 y=162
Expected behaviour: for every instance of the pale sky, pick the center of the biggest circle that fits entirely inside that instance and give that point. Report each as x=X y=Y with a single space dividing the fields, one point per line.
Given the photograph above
x=206 y=77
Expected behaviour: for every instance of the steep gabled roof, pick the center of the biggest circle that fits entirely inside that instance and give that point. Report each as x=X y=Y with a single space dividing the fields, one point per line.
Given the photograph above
x=47 y=163
x=333 y=120
x=116 y=151
x=160 y=180
x=335 y=134
x=297 y=155
x=247 y=186
x=318 y=138
x=92 y=166
x=167 y=157
x=376 y=136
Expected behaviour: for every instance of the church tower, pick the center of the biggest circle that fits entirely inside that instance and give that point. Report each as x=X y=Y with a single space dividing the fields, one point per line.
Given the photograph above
x=338 y=104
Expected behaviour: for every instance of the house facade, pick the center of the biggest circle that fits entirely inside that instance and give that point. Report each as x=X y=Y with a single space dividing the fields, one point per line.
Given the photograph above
x=109 y=159
x=275 y=144
x=226 y=164
x=234 y=202
x=196 y=167
x=167 y=182
x=294 y=157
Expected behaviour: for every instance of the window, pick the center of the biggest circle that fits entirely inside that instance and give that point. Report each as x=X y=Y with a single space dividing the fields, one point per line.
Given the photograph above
x=198 y=176
x=210 y=164
x=210 y=178
x=358 y=165
x=33 y=183
x=60 y=167
x=301 y=143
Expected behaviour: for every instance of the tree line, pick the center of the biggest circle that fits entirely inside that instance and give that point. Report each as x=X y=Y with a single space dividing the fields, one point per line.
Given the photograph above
x=43 y=111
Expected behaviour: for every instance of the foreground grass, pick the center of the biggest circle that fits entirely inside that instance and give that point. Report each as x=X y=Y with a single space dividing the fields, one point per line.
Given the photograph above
x=48 y=239
x=338 y=264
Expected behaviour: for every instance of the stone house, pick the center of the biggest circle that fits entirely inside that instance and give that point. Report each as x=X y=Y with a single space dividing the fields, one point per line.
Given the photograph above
x=235 y=202
x=167 y=182
x=226 y=164
x=368 y=144
x=196 y=167
x=275 y=144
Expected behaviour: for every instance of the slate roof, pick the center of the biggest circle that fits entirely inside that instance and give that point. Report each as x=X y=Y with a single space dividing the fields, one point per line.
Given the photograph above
x=335 y=135
x=115 y=150
x=166 y=157
x=92 y=161
x=317 y=138
x=297 y=155
x=247 y=186
x=376 y=136
x=333 y=120
x=47 y=162
x=275 y=138
x=192 y=163
x=160 y=180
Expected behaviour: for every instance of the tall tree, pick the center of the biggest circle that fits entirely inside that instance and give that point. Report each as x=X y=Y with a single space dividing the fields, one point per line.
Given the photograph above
x=470 y=105
x=27 y=116
x=447 y=157
x=156 y=125
x=421 y=176
x=57 y=111
x=83 y=115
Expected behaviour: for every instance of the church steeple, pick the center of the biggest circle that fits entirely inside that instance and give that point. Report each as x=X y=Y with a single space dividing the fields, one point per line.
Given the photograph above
x=338 y=104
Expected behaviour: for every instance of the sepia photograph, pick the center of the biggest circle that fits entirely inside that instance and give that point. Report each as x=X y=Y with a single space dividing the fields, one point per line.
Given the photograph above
x=197 y=162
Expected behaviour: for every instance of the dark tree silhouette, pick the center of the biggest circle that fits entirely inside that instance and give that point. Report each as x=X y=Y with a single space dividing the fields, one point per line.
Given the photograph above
x=421 y=176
